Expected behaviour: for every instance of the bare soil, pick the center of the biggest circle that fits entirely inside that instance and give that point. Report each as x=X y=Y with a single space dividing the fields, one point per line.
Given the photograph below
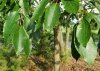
x=41 y=64
x=81 y=65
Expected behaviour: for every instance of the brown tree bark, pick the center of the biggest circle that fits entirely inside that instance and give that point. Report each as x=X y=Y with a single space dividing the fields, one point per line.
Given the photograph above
x=57 y=49
x=67 y=36
x=62 y=44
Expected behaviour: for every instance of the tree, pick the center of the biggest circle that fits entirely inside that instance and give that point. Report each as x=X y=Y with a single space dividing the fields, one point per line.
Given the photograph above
x=19 y=14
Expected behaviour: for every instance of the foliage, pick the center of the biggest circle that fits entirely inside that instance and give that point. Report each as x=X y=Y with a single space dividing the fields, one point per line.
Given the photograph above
x=19 y=14
x=71 y=6
x=52 y=16
x=9 y=61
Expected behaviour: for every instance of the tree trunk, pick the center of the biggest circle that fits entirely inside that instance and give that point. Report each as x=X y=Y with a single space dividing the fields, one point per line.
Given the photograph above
x=61 y=42
x=57 y=49
x=67 y=36
x=66 y=50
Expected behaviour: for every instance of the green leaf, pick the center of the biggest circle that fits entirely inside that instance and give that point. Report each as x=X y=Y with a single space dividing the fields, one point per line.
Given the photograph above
x=39 y=10
x=82 y=51
x=10 y=26
x=83 y=32
x=18 y=40
x=52 y=16
x=21 y=41
x=26 y=22
x=27 y=44
x=71 y=6
x=24 y=6
x=90 y=52
x=17 y=34
x=74 y=49
x=88 y=17
x=38 y=24
x=2 y=4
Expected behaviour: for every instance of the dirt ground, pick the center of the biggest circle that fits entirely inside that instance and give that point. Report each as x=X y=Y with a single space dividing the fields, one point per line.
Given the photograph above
x=40 y=64
x=81 y=65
